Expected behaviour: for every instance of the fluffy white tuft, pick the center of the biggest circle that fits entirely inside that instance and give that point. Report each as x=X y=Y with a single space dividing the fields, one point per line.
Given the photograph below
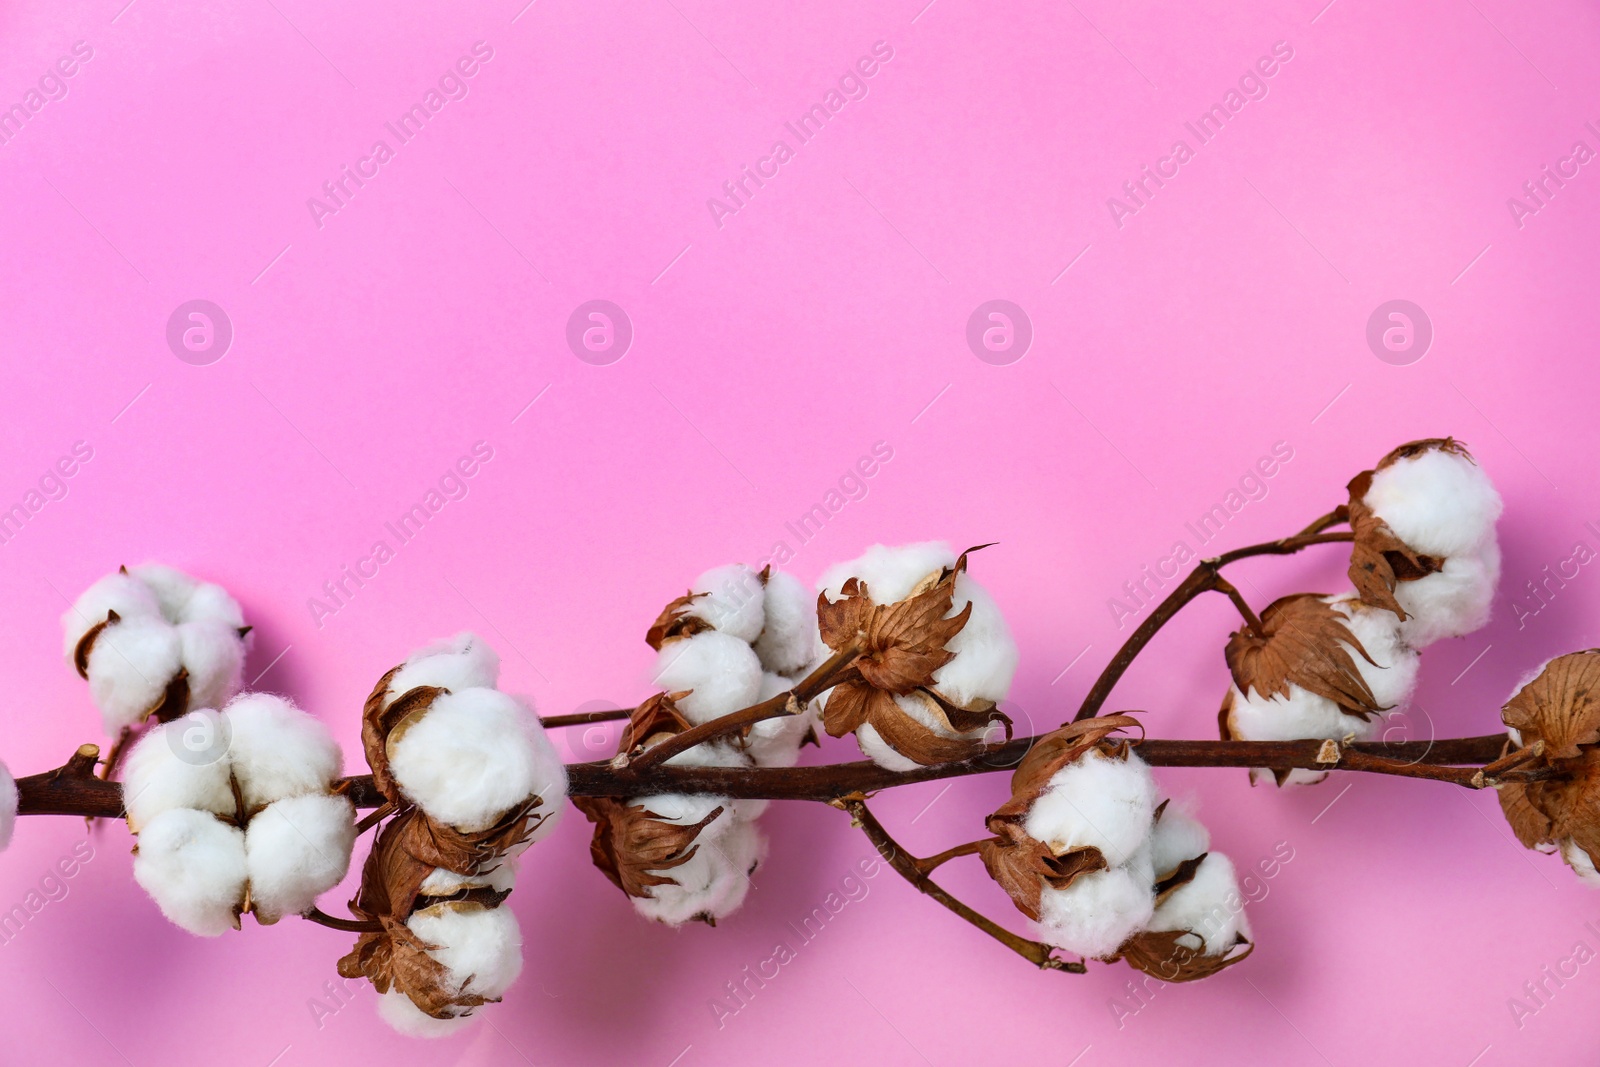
x=396 y=1009
x=121 y=593
x=1176 y=837
x=889 y=573
x=211 y=603
x=733 y=601
x=879 y=751
x=296 y=849
x=1392 y=672
x=1581 y=863
x=171 y=587
x=8 y=806
x=480 y=947
x=776 y=742
x=472 y=756
x=179 y=764
x=714 y=881
x=722 y=671
x=789 y=625
x=1096 y=913
x=441 y=883
x=130 y=665
x=1438 y=503
x=276 y=750
x=1209 y=906
x=1099 y=801
x=1453 y=601
x=985 y=652
x=464 y=661
x=213 y=654
x=193 y=866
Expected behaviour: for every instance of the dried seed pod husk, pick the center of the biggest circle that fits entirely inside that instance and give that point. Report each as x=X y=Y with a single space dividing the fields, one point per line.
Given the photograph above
x=1560 y=707
x=1303 y=641
x=632 y=845
x=676 y=621
x=1161 y=954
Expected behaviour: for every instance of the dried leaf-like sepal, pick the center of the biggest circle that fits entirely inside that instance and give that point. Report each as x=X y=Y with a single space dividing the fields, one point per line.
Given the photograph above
x=657 y=718
x=1302 y=642
x=1161 y=954
x=1065 y=745
x=1561 y=707
x=1379 y=560
x=397 y=958
x=631 y=843
x=675 y=621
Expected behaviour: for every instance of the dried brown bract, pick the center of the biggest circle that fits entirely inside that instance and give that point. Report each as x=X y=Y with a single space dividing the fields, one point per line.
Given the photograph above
x=1303 y=641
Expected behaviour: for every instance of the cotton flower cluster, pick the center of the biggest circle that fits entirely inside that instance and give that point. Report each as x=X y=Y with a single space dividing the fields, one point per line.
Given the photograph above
x=1084 y=849
x=234 y=813
x=152 y=641
x=1424 y=563
x=475 y=781
x=936 y=655
x=8 y=806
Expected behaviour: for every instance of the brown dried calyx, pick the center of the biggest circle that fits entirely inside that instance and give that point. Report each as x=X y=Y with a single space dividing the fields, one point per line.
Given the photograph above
x=901 y=645
x=677 y=620
x=1303 y=641
x=1379 y=560
x=1561 y=708
x=632 y=845
x=1023 y=865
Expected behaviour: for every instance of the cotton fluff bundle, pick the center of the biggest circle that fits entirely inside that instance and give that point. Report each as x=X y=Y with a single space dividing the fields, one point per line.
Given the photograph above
x=1440 y=504
x=713 y=882
x=8 y=806
x=469 y=754
x=233 y=813
x=154 y=641
x=1370 y=642
x=984 y=654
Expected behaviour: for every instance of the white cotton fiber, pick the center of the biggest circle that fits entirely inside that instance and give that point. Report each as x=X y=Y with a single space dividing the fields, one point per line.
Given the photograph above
x=776 y=742
x=712 y=883
x=1208 y=905
x=171 y=587
x=689 y=809
x=1391 y=673
x=1096 y=913
x=130 y=665
x=1300 y=715
x=1098 y=801
x=180 y=764
x=193 y=866
x=1453 y=601
x=472 y=756
x=1580 y=862
x=876 y=749
x=213 y=654
x=480 y=947
x=889 y=573
x=121 y=593
x=8 y=806
x=789 y=625
x=986 y=653
x=733 y=601
x=277 y=750
x=502 y=877
x=296 y=849
x=1438 y=503
x=924 y=711
x=396 y=1009
x=1176 y=837
x=722 y=671
x=211 y=603
x=464 y=661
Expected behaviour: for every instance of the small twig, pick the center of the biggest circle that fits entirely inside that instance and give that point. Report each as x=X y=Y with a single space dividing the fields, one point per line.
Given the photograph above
x=375 y=816
x=789 y=702
x=349 y=926
x=906 y=865
x=1514 y=759
x=584 y=718
x=1222 y=585
x=931 y=863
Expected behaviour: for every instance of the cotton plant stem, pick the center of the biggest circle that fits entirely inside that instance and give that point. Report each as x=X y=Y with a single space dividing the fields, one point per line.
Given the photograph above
x=929 y=864
x=1222 y=585
x=349 y=926
x=909 y=868
x=789 y=702
x=1205 y=577
x=584 y=718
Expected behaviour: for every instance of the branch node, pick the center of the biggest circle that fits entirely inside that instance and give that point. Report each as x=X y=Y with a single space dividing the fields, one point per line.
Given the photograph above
x=1329 y=752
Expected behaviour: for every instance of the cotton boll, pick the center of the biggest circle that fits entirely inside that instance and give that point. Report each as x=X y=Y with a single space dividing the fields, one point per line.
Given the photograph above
x=213 y=654
x=1453 y=601
x=442 y=883
x=1392 y=672
x=889 y=573
x=985 y=652
x=1098 y=801
x=278 y=751
x=480 y=947
x=472 y=756
x=9 y=799
x=1209 y=906
x=130 y=666
x=1580 y=862
x=733 y=601
x=1175 y=838
x=193 y=866
x=712 y=883
x=179 y=764
x=121 y=593
x=789 y=625
x=722 y=671
x=1438 y=503
x=1096 y=913
x=296 y=849
x=464 y=661
x=396 y=1009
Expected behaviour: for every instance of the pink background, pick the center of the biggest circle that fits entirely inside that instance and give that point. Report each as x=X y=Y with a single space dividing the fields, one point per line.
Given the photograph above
x=827 y=314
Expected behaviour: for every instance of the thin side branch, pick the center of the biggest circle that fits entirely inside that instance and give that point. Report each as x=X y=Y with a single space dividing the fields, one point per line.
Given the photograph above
x=349 y=926
x=909 y=868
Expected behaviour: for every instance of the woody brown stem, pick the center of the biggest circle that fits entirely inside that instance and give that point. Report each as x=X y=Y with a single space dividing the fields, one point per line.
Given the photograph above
x=1222 y=585
x=584 y=718
x=789 y=702
x=908 y=867
x=929 y=864
x=349 y=926
x=1204 y=577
